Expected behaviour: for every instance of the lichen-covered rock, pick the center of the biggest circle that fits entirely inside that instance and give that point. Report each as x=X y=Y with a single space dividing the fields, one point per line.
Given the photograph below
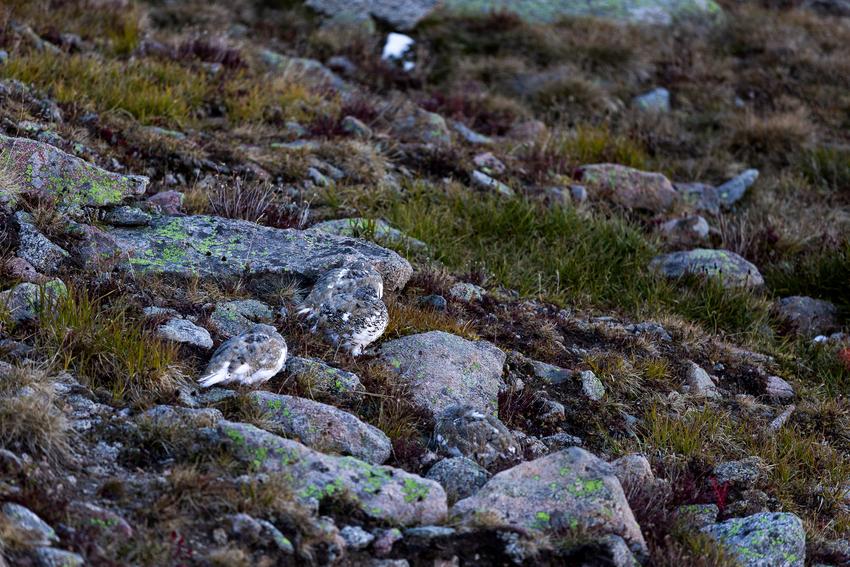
x=324 y=381
x=628 y=187
x=37 y=249
x=551 y=373
x=24 y=301
x=96 y=250
x=37 y=531
x=591 y=386
x=20 y=269
x=459 y=476
x=382 y=493
x=568 y=490
x=70 y=182
x=377 y=229
x=401 y=14
x=634 y=468
x=127 y=216
x=462 y=431
x=99 y=521
x=220 y=249
x=483 y=181
x=687 y=231
x=443 y=370
x=237 y=317
x=711 y=199
x=549 y=11
x=807 y=316
x=308 y=70
x=258 y=532
x=321 y=427
x=417 y=126
x=778 y=389
x=184 y=331
x=769 y=539
x=699 y=382
x=51 y=557
x=729 y=268
x=696 y=516
x=733 y=190
x=741 y=474
x=464 y=291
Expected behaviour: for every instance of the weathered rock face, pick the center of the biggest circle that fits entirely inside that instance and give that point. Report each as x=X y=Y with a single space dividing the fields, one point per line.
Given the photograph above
x=711 y=199
x=71 y=182
x=325 y=381
x=37 y=249
x=184 y=331
x=417 y=126
x=807 y=316
x=464 y=431
x=227 y=249
x=770 y=539
x=24 y=301
x=444 y=370
x=382 y=493
x=543 y=11
x=687 y=231
x=459 y=476
x=731 y=269
x=567 y=490
x=322 y=427
x=401 y=14
x=236 y=317
x=628 y=187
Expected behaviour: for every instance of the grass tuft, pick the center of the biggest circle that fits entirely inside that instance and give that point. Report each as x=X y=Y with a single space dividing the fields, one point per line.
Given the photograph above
x=107 y=348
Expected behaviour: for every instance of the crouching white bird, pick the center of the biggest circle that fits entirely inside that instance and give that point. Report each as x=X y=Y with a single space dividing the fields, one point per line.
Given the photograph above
x=247 y=359
x=345 y=303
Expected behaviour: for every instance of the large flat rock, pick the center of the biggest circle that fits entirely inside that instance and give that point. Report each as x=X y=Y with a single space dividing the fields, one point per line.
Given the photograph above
x=226 y=249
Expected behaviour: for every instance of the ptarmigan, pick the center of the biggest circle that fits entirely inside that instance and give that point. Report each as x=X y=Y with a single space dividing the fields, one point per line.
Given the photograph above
x=247 y=359
x=346 y=304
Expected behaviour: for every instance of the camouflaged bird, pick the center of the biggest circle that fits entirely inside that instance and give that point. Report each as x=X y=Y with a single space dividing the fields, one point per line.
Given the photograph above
x=247 y=359
x=345 y=303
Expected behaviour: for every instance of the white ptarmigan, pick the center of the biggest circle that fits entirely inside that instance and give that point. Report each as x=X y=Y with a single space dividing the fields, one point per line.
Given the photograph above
x=346 y=304
x=246 y=359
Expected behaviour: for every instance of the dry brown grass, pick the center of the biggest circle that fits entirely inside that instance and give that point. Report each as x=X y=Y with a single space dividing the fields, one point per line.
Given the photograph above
x=31 y=419
x=407 y=318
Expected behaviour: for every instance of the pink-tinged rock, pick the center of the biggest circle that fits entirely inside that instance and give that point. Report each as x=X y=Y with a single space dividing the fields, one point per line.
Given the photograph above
x=167 y=202
x=779 y=389
x=20 y=269
x=628 y=187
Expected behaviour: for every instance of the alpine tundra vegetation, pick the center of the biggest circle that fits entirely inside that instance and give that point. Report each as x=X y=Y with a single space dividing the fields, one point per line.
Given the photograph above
x=424 y=283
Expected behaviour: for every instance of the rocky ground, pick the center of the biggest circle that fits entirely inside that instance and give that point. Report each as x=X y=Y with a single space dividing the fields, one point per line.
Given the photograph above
x=613 y=244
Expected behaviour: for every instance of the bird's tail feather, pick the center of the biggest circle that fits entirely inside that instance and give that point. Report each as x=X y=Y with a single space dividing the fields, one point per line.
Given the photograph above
x=213 y=379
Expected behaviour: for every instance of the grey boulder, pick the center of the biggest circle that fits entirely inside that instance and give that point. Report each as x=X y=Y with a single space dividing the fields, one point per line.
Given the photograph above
x=768 y=539
x=729 y=268
x=462 y=431
x=568 y=490
x=385 y=494
x=443 y=370
x=321 y=427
